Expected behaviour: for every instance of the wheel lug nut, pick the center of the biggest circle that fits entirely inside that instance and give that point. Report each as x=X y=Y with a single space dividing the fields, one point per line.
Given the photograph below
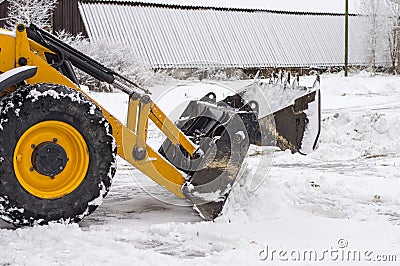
x=55 y=140
x=33 y=146
x=31 y=169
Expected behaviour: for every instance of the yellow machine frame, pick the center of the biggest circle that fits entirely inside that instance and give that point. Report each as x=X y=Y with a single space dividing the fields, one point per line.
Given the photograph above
x=129 y=138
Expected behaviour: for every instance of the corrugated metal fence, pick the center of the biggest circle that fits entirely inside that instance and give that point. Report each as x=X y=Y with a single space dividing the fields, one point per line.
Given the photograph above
x=174 y=37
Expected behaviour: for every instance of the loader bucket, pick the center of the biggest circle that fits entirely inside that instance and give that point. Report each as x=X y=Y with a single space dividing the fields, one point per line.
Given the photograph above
x=289 y=117
x=224 y=131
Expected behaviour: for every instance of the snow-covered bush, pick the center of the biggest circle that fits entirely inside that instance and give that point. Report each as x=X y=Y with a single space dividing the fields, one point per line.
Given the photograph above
x=118 y=57
x=37 y=12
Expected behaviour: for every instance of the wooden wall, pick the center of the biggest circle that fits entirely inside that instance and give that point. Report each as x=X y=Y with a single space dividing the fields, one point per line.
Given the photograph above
x=3 y=13
x=66 y=16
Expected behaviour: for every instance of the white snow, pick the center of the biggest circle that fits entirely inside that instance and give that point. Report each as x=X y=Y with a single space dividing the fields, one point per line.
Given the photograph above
x=92 y=109
x=99 y=200
x=273 y=97
x=208 y=197
x=345 y=192
x=8 y=33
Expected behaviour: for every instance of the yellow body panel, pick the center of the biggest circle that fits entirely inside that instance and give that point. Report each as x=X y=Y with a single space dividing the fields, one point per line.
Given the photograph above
x=14 y=46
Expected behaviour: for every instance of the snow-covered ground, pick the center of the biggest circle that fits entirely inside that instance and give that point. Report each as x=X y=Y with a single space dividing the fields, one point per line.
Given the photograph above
x=341 y=200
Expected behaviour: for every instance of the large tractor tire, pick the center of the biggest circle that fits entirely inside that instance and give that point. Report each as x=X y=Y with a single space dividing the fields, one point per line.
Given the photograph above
x=57 y=155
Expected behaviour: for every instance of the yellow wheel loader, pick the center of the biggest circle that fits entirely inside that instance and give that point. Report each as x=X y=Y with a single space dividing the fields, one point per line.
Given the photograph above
x=58 y=146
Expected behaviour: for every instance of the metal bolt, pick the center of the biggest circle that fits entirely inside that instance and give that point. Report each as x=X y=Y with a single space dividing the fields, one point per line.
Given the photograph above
x=135 y=96
x=31 y=169
x=145 y=99
x=22 y=61
x=238 y=138
x=139 y=153
x=55 y=140
x=33 y=146
x=20 y=27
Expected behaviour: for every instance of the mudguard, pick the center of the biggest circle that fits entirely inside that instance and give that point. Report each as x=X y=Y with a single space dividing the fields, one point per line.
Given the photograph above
x=16 y=76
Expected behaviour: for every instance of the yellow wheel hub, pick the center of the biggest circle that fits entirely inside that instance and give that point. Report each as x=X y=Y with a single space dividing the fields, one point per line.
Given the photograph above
x=51 y=159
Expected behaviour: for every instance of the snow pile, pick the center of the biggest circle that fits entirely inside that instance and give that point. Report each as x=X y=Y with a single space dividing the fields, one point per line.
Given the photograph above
x=348 y=135
x=245 y=206
x=359 y=117
x=363 y=129
x=70 y=245
x=272 y=97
